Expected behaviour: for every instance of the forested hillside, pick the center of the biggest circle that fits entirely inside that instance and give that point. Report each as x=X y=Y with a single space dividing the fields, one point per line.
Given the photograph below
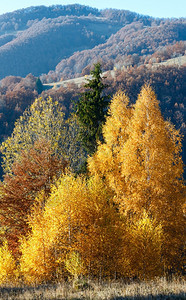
x=34 y=40
x=18 y=93
x=132 y=45
x=39 y=48
x=65 y=41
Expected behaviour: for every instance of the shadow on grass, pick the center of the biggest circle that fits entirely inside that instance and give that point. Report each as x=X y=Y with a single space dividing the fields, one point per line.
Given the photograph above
x=180 y=296
x=15 y=292
x=48 y=293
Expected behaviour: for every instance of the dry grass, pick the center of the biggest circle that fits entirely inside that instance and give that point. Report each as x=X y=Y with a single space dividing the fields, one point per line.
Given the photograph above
x=159 y=289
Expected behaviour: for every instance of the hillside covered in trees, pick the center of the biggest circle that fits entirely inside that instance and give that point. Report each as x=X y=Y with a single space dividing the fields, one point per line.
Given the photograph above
x=67 y=40
x=60 y=42
x=32 y=33
x=133 y=45
x=17 y=93
x=92 y=174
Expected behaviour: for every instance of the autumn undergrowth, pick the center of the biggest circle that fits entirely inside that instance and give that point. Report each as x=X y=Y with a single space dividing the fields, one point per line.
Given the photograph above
x=115 y=290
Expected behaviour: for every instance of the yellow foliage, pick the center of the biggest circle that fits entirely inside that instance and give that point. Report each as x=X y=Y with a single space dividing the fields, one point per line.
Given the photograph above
x=79 y=218
x=81 y=231
x=74 y=265
x=107 y=160
x=38 y=261
x=89 y=221
x=153 y=168
x=143 y=248
x=141 y=161
x=150 y=167
x=43 y=120
x=8 y=271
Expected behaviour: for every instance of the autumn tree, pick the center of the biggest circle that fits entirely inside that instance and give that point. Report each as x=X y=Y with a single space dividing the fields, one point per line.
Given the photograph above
x=142 y=248
x=34 y=172
x=38 y=262
x=8 y=268
x=91 y=110
x=148 y=173
x=78 y=233
x=43 y=119
x=152 y=168
x=106 y=162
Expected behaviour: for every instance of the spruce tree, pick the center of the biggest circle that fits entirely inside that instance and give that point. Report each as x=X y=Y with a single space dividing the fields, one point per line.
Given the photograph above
x=39 y=86
x=91 y=110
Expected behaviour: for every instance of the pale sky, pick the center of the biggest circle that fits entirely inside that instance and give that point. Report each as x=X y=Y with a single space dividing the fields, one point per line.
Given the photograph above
x=155 y=8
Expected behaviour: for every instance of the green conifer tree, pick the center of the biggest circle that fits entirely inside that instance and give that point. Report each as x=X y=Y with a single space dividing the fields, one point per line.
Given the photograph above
x=39 y=86
x=91 y=110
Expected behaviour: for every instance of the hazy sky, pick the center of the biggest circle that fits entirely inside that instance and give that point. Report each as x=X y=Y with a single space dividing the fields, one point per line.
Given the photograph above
x=155 y=8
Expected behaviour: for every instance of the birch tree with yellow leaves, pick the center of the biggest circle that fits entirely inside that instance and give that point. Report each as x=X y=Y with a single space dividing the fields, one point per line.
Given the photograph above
x=147 y=174
x=44 y=119
x=152 y=168
x=8 y=269
x=106 y=162
x=142 y=248
x=77 y=234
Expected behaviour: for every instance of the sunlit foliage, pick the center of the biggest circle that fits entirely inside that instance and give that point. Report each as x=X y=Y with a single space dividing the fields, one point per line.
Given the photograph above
x=74 y=265
x=107 y=160
x=148 y=171
x=153 y=168
x=44 y=119
x=142 y=251
x=8 y=268
x=79 y=218
x=124 y=219
x=35 y=171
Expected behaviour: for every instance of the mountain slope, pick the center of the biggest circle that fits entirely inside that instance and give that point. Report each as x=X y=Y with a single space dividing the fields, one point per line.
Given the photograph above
x=39 y=48
x=36 y=39
x=129 y=46
x=23 y=18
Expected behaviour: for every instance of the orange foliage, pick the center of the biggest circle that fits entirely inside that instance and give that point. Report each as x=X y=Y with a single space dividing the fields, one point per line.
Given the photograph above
x=78 y=232
x=34 y=172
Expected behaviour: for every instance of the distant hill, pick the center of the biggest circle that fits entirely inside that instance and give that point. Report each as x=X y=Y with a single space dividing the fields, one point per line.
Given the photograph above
x=64 y=41
x=134 y=44
x=23 y=18
x=36 y=39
